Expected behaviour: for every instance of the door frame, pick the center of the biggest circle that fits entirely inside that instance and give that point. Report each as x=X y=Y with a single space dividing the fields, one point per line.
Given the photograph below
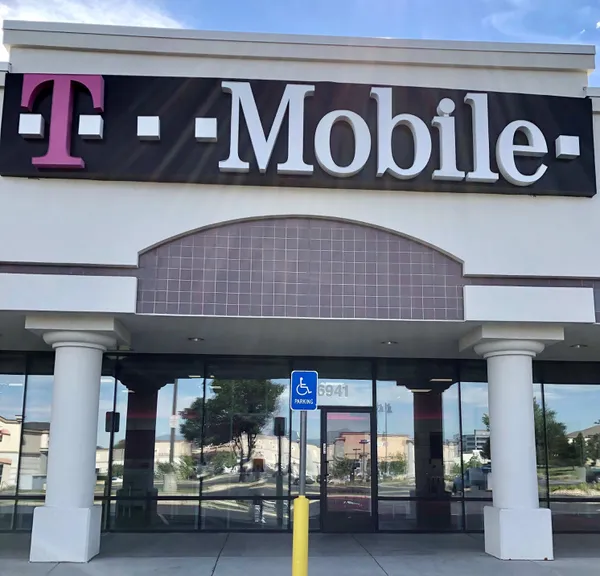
x=370 y=410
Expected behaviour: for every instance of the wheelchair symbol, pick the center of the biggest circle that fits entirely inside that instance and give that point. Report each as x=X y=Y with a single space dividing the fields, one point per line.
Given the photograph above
x=302 y=389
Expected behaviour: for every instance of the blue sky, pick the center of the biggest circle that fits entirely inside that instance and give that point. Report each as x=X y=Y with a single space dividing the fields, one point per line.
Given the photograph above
x=554 y=21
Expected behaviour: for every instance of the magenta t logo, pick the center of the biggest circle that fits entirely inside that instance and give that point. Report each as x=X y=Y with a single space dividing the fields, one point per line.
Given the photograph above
x=61 y=115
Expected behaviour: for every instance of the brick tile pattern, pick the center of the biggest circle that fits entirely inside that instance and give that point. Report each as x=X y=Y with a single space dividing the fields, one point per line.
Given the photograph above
x=300 y=267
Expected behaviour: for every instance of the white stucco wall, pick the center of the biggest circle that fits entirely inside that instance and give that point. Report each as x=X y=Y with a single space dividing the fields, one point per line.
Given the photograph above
x=107 y=223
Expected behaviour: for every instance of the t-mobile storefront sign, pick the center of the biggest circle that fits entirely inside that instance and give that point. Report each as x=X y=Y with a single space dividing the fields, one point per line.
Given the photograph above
x=271 y=133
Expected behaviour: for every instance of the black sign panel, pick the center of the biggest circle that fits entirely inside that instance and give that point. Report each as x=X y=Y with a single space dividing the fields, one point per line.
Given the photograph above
x=529 y=144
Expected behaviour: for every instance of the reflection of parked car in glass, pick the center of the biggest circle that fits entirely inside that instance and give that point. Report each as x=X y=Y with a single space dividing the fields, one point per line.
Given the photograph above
x=349 y=503
x=592 y=475
x=472 y=478
x=309 y=480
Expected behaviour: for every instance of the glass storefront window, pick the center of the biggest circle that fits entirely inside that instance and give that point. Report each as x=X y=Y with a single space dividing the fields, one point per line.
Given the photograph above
x=150 y=455
x=242 y=514
x=191 y=443
x=176 y=515
x=36 y=425
x=575 y=516
x=475 y=440
x=105 y=425
x=24 y=514
x=12 y=390
x=418 y=433
x=243 y=457
x=313 y=453
x=572 y=433
x=402 y=515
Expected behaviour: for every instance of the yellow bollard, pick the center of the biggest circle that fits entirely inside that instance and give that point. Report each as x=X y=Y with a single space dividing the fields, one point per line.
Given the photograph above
x=300 y=537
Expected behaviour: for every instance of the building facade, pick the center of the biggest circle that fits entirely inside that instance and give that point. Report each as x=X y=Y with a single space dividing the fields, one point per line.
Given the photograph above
x=191 y=216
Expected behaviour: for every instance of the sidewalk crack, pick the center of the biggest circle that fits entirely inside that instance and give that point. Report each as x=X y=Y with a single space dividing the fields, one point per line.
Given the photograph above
x=369 y=553
x=219 y=555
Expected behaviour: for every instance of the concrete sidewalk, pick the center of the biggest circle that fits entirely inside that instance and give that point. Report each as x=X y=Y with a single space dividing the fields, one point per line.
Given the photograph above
x=270 y=555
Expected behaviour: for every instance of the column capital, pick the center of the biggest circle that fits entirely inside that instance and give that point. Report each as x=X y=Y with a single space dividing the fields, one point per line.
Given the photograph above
x=544 y=334
x=79 y=339
x=509 y=348
x=105 y=331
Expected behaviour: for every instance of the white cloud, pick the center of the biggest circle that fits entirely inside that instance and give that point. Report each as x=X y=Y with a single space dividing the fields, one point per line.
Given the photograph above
x=147 y=13
x=475 y=395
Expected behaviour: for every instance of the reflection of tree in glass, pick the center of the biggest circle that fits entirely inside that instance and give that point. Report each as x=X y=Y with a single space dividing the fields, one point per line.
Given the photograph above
x=560 y=451
x=221 y=460
x=473 y=462
x=236 y=414
x=164 y=468
x=398 y=465
x=578 y=450
x=186 y=467
x=593 y=447
x=342 y=467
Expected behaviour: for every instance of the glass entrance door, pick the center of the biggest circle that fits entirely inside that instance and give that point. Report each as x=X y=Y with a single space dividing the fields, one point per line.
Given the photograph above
x=347 y=482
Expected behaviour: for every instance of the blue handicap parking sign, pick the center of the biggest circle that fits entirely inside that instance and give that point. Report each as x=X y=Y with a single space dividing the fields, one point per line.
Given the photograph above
x=303 y=395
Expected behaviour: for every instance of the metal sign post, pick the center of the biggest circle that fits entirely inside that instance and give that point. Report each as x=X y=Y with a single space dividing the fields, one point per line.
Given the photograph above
x=279 y=433
x=302 y=482
x=303 y=397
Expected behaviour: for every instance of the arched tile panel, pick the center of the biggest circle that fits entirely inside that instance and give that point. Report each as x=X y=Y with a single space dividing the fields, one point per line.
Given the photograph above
x=300 y=267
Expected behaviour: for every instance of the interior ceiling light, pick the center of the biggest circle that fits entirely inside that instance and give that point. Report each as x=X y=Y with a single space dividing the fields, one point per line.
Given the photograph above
x=196 y=339
x=441 y=380
x=194 y=376
x=421 y=390
x=578 y=346
x=389 y=342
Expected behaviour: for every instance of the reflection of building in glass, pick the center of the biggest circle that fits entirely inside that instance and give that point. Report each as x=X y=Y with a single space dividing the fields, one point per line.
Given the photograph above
x=475 y=441
x=162 y=453
x=10 y=437
x=34 y=455
x=266 y=449
x=30 y=462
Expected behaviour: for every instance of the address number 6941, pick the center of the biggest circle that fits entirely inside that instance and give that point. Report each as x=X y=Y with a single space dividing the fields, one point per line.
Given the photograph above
x=339 y=390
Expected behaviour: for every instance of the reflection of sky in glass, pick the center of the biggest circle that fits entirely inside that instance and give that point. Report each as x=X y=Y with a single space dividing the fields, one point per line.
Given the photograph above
x=11 y=395
x=577 y=406
x=107 y=390
x=360 y=394
x=188 y=390
x=474 y=396
x=400 y=413
x=38 y=405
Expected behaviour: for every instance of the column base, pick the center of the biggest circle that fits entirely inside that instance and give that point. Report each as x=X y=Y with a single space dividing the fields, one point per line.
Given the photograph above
x=65 y=534
x=518 y=534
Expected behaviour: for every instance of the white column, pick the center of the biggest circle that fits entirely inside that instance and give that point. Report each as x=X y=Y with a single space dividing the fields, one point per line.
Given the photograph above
x=516 y=528
x=67 y=527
